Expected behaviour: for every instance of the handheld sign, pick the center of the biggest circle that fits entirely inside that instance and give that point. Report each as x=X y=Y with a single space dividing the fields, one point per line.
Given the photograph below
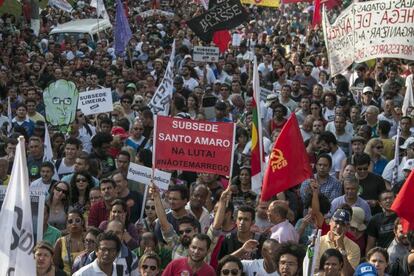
x=95 y=101
x=143 y=174
x=181 y=144
x=206 y=54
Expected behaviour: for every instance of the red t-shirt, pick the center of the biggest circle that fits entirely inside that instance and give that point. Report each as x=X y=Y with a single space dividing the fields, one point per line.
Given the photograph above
x=180 y=267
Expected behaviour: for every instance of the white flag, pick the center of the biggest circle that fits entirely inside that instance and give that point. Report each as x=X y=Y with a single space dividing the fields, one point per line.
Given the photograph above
x=9 y=115
x=160 y=102
x=16 y=225
x=408 y=98
x=48 y=152
x=100 y=8
x=61 y=4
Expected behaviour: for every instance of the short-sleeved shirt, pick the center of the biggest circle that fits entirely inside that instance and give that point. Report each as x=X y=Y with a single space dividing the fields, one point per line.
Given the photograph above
x=370 y=188
x=255 y=267
x=181 y=267
x=381 y=227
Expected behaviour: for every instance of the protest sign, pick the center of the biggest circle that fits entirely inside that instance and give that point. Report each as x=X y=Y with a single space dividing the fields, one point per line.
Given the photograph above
x=160 y=102
x=368 y=30
x=264 y=3
x=226 y=14
x=143 y=175
x=181 y=144
x=61 y=4
x=37 y=203
x=95 y=101
x=60 y=98
x=206 y=54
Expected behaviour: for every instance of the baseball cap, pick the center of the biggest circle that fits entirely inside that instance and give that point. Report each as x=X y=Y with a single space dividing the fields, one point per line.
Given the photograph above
x=365 y=269
x=271 y=98
x=341 y=215
x=367 y=89
x=119 y=131
x=409 y=142
x=131 y=85
x=358 y=217
x=408 y=165
x=187 y=56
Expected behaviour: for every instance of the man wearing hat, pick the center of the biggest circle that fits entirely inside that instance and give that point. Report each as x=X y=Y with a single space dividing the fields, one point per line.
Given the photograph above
x=408 y=149
x=407 y=168
x=221 y=112
x=357 y=227
x=335 y=238
x=158 y=72
x=367 y=99
x=366 y=269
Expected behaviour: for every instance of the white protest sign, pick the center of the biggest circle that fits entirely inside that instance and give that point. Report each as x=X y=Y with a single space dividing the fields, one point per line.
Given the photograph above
x=95 y=101
x=206 y=54
x=143 y=174
x=236 y=40
x=368 y=30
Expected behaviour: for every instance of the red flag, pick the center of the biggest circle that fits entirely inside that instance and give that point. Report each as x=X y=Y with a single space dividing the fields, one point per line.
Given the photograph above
x=288 y=163
x=222 y=39
x=403 y=204
x=317 y=17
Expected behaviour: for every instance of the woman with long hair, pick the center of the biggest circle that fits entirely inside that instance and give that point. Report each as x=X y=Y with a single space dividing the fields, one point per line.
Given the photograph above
x=375 y=150
x=193 y=105
x=68 y=247
x=59 y=199
x=119 y=211
x=147 y=224
x=80 y=186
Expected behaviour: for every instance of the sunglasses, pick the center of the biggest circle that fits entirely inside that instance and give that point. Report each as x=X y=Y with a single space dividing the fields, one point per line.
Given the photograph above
x=149 y=207
x=73 y=221
x=187 y=231
x=152 y=267
x=230 y=271
x=60 y=190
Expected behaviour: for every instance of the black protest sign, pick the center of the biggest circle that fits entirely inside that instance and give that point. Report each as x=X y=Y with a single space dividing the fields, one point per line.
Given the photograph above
x=225 y=14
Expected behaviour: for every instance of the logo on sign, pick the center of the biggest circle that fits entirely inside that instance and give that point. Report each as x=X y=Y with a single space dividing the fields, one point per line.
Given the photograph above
x=277 y=161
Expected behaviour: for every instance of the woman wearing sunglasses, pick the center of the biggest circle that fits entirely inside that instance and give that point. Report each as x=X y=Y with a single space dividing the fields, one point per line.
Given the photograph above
x=68 y=247
x=80 y=186
x=147 y=224
x=149 y=264
x=59 y=204
x=230 y=266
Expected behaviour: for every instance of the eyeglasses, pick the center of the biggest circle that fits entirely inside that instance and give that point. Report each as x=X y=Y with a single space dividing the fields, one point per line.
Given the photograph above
x=149 y=207
x=230 y=271
x=81 y=180
x=152 y=267
x=89 y=241
x=74 y=221
x=60 y=190
x=187 y=231
x=362 y=169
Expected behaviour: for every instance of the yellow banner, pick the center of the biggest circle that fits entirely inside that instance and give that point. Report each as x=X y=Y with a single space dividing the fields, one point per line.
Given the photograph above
x=265 y=3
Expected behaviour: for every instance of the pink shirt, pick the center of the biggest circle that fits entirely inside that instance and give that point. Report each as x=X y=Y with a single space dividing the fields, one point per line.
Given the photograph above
x=283 y=232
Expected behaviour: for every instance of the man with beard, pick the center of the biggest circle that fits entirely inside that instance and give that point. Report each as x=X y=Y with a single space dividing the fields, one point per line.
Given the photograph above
x=307 y=78
x=399 y=247
x=193 y=264
x=289 y=258
x=187 y=227
x=101 y=144
x=100 y=210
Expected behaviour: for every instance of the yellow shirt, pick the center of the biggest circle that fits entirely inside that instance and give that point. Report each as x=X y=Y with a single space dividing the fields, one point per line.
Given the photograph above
x=353 y=253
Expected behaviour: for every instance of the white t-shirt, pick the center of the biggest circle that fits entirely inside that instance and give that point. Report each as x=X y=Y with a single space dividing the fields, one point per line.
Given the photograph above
x=255 y=268
x=337 y=158
x=65 y=170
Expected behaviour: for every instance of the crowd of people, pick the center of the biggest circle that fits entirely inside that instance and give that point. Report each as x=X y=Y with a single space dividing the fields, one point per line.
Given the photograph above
x=99 y=222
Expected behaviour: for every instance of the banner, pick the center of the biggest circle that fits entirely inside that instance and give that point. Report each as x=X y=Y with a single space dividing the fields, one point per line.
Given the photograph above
x=96 y=101
x=369 y=30
x=227 y=14
x=160 y=102
x=264 y=3
x=16 y=228
x=61 y=4
x=143 y=175
x=149 y=13
x=206 y=54
x=61 y=99
x=181 y=144
x=99 y=5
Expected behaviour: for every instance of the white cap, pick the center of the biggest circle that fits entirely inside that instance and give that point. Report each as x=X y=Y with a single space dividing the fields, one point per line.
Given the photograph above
x=408 y=165
x=407 y=143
